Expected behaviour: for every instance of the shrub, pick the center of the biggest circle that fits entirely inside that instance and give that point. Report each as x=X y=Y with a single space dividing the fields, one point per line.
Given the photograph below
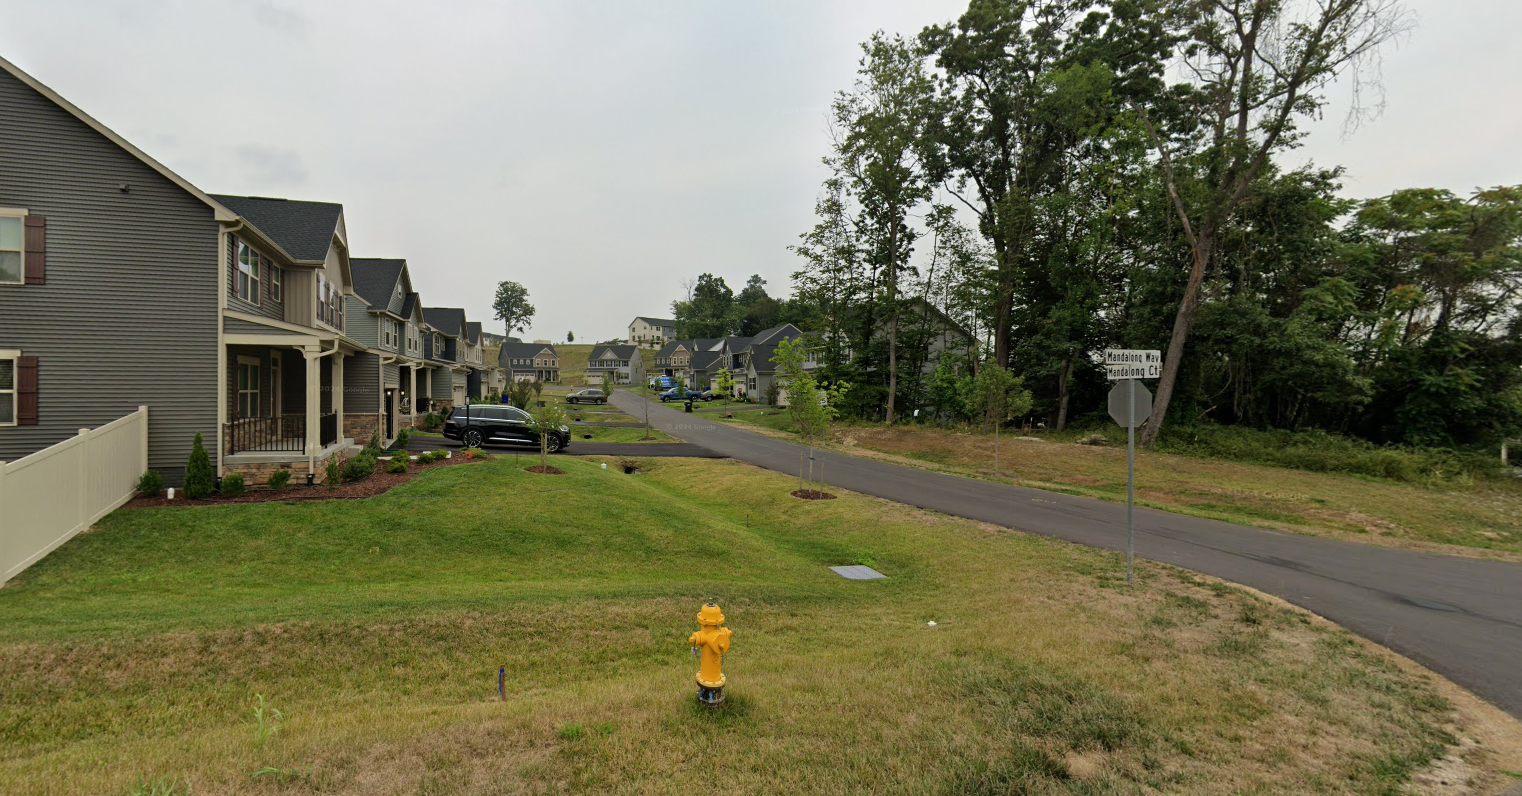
x=431 y=422
x=1323 y=452
x=358 y=468
x=335 y=471
x=199 y=477
x=279 y=479
x=401 y=439
x=232 y=485
x=398 y=463
x=474 y=453
x=150 y=484
x=373 y=447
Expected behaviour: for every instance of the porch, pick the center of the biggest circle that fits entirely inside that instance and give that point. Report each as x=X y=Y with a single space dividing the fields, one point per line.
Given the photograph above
x=283 y=403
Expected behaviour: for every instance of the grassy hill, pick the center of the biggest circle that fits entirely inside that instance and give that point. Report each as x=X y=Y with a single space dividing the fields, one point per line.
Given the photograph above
x=140 y=651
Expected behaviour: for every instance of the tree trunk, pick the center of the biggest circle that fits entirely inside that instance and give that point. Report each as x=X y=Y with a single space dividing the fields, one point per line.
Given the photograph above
x=892 y=319
x=996 y=446
x=1004 y=308
x=1062 y=393
x=1183 y=322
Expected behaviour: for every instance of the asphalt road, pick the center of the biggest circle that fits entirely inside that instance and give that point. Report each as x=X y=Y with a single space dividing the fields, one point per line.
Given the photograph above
x=1460 y=617
x=578 y=447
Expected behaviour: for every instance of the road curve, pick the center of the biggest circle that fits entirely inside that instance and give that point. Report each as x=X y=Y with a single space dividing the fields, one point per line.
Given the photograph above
x=1459 y=617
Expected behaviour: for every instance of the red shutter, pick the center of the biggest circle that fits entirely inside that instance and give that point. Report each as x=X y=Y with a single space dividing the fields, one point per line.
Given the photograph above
x=36 y=251
x=26 y=392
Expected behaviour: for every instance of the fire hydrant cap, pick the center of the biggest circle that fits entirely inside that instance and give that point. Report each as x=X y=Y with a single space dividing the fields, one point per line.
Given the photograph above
x=711 y=616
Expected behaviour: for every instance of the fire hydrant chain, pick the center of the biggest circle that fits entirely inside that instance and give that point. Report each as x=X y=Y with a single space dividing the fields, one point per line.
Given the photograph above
x=709 y=644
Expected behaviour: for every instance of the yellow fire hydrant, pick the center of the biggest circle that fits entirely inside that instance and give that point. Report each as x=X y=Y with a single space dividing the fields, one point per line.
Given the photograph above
x=710 y=644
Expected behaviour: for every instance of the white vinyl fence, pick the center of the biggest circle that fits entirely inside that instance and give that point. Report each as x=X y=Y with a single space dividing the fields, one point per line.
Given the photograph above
x=48 y=497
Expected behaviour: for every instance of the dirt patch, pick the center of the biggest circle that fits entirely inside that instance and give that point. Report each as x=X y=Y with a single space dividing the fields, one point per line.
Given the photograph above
x=545 y=469
x=377 y=483
x=811 y=494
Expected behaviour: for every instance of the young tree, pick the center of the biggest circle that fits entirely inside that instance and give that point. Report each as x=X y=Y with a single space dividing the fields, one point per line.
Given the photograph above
x=511 y=306
x=725 y=381
x=548 y=419
x=998 y=396
x=1257 y=68
x=811 y=408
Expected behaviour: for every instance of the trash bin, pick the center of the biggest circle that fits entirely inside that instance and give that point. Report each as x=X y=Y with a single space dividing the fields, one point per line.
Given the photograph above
x=689 y=406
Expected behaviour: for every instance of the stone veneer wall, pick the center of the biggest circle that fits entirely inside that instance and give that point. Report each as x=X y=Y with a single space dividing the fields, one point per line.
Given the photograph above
x=259 y=474
x=360 y=427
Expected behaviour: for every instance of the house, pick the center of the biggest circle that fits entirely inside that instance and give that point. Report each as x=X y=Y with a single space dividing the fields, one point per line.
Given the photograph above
x=615 y=364
x=754 y=372
x=651 y=332
x=489 y=378
x=529 y=362
x=446 y=349
x=389 y=383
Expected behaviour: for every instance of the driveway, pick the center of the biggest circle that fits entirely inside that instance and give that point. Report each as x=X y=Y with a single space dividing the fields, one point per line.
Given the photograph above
x=1460 y=617
x=578 y=447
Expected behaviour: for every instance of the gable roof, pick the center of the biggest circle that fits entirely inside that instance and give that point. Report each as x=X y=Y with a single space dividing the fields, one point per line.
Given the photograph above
x=654 y=321
x=704 y=360
x=736 y=345
x=670 y=348
x=761 y=357
x=450 y=320
x=511 y=351
x=708 y=343
x=777 y=334
x=304 y=229
x=409 y=305
x=375 y=279
x=219 y=211
x=628 y=352
x=473 y=331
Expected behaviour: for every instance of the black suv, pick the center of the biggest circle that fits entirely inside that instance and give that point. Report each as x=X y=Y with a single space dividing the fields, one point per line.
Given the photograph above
x=589 y=396
x=477 y=424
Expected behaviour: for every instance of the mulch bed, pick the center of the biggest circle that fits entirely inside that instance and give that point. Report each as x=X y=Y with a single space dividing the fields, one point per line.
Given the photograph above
x=545 y=469
x=812 y=494
x=379 y=482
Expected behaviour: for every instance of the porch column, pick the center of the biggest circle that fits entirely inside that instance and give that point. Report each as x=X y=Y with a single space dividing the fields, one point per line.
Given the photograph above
x=314 y=399
x=412 y=397
x=338 y=391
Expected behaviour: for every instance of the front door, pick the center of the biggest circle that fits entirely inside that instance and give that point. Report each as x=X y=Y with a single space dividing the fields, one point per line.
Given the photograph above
x=277 y=394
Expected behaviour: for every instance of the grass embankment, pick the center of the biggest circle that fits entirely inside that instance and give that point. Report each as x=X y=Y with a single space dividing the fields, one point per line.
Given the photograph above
x=573 y=363
x=1461 y=516
x=377 y=628
x=603 y=434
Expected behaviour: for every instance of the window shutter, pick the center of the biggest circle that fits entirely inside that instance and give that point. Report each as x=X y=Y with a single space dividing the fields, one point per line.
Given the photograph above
x=26 y=392
x=36 y=251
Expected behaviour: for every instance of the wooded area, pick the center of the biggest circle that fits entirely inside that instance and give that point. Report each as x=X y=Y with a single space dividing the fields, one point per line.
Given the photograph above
x=1079 y=175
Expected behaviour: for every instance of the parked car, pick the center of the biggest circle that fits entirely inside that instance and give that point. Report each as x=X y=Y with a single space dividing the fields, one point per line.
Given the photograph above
x=675 y=394
x=587 y=395
x=475 y=425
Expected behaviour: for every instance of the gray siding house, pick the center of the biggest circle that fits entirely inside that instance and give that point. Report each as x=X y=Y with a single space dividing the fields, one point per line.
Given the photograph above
x=222 y=314
x=651 y=332
x=386 y=384
x=529 y=362
x=447 y=327
x=615 y=364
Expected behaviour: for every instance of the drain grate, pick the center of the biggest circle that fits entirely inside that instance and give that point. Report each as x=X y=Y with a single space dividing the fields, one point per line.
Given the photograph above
x=857 y=573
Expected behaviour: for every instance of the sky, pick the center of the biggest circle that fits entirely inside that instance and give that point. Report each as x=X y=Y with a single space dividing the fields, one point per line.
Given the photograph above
x=600 y=153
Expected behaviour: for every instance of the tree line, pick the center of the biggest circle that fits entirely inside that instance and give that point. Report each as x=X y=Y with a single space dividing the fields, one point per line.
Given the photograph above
x=1060 y=176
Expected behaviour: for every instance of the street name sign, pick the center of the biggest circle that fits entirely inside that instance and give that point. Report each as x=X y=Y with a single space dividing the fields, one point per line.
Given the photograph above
x=1133 y=363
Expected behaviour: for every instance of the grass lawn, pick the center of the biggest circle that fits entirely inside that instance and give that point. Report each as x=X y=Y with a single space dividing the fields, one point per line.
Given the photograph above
x=600 y=434
x=1468 y=519
x=377 y=627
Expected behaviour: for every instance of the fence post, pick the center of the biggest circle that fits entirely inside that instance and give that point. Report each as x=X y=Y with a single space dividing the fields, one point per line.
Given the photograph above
x=5 y=544
x=84 y=476
x=143 y=440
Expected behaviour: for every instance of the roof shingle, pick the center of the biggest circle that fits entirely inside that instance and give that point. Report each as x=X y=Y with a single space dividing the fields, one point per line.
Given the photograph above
x=304 y=229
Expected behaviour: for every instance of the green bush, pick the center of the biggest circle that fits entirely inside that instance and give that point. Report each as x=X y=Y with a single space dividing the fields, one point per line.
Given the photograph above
x=358 y=468
x=373 y=447
x=279 y=479
x=431 y=422
x=199 y=477
x=430 y=457
x=151 y=484
x=232 y=485
x=1320 y=451
x=401 y=439
x=398 y=463
x=335 y=471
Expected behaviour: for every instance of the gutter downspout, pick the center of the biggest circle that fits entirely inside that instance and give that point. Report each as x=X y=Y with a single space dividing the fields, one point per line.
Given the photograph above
x=380 y=386
x=223 y=261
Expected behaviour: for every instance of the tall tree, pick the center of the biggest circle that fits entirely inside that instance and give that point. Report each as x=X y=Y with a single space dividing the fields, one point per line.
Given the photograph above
x=511 y=306
x=881 y=153
x=710 y=311
x=1256 y=69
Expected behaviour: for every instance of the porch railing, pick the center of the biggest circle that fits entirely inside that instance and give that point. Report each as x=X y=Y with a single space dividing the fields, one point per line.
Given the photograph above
x=283 y=433
x=327 y=429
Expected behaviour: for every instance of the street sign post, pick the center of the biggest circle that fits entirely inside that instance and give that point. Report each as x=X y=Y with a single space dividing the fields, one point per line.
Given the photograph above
x=1130 y=406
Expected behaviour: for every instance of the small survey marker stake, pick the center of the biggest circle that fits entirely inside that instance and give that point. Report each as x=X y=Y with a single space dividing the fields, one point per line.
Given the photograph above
x=857 y=573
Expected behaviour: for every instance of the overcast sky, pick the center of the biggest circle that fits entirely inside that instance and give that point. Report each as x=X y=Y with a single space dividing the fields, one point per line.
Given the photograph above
x=599 y=153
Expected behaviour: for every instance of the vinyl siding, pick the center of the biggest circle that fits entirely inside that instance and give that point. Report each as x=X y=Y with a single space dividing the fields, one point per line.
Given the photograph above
x=267 y=305
x=129 y=312
x=237 y=326
x=361 y=324
x=361 y=388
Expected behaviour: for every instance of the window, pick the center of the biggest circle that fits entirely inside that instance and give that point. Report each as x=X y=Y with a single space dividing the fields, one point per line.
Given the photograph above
x=514 y=413
x=248 y=273
x=248 y=387
x=277 y=283
x=8 y=365
x=11 y=259
x=388 y=333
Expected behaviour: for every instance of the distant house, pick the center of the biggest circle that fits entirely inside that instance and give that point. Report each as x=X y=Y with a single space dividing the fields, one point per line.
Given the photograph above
x=752 y=361
x=446 y=349
x=615 y=364
x=529 y=362
x=651 y=332
x=389 y=382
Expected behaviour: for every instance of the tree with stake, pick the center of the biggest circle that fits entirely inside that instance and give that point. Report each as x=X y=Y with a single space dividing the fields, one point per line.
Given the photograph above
x=511 y=306
x=998 y=396
x=811 y=409
x=547 y=421
x=725 y=381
